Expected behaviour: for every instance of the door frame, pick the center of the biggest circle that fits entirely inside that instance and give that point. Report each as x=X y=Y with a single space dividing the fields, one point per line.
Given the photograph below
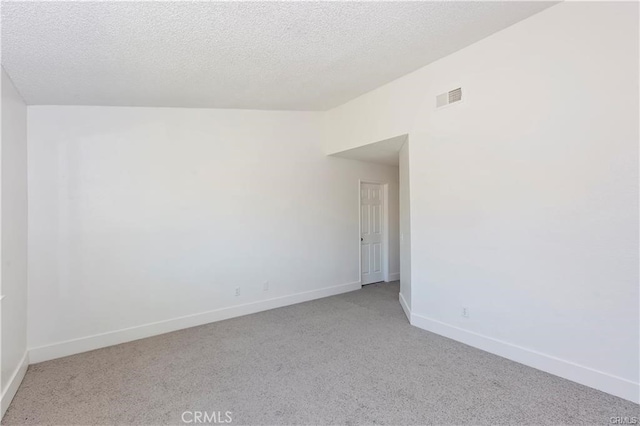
x=385 y=231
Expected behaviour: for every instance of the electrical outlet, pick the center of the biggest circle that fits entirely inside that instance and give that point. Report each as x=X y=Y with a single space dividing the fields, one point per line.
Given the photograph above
x=465 y=312
x=265 y=286
x=237 y=291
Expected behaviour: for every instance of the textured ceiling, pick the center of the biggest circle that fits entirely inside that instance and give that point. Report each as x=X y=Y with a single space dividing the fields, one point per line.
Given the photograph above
x=262 y=55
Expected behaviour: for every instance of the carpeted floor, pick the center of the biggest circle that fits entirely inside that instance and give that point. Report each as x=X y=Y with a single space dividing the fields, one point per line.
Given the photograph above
x=347 y=359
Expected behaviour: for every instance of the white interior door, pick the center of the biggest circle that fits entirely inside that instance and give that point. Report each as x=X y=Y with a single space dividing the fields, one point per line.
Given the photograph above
x=371 y=232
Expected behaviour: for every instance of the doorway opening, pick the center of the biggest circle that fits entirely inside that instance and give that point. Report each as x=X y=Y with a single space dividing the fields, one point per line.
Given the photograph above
x=384 y=231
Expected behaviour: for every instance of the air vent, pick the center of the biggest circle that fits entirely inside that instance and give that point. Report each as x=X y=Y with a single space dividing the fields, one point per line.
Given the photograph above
x=455 y=95
x=449 y=97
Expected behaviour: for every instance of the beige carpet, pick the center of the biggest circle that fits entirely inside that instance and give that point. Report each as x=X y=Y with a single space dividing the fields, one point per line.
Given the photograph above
x=348 y=359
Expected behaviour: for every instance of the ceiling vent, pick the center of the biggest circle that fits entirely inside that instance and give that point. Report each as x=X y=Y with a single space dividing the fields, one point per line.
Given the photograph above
x=449 y=97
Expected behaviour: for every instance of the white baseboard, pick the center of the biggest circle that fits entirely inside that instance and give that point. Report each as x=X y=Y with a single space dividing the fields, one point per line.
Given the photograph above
x=75 y=346
x=14 y=384
x=608 y=383
x=394 y=276
x=405 y=306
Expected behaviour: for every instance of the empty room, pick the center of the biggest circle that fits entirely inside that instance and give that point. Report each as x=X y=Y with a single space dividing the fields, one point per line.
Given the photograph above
x=319 y=213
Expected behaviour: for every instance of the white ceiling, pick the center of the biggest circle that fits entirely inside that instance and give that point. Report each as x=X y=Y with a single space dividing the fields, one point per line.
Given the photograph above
x=258 y=55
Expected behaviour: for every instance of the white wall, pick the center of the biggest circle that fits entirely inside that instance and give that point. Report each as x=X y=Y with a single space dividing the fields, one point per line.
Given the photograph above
x=13 y=280
x=141 y=215
x=405 y=228
x=524 y=199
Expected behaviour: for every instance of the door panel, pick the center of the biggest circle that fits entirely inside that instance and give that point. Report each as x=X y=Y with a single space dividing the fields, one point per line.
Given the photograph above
x=364 y=221
x=365 y=259
x=371 y=232
x=377 y=258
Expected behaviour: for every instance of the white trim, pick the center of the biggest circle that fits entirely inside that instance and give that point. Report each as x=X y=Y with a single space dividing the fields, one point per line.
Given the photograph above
x=84 y=344
x=394 y=276
x=14 y=384
x=405 y=306
x=605 y=382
